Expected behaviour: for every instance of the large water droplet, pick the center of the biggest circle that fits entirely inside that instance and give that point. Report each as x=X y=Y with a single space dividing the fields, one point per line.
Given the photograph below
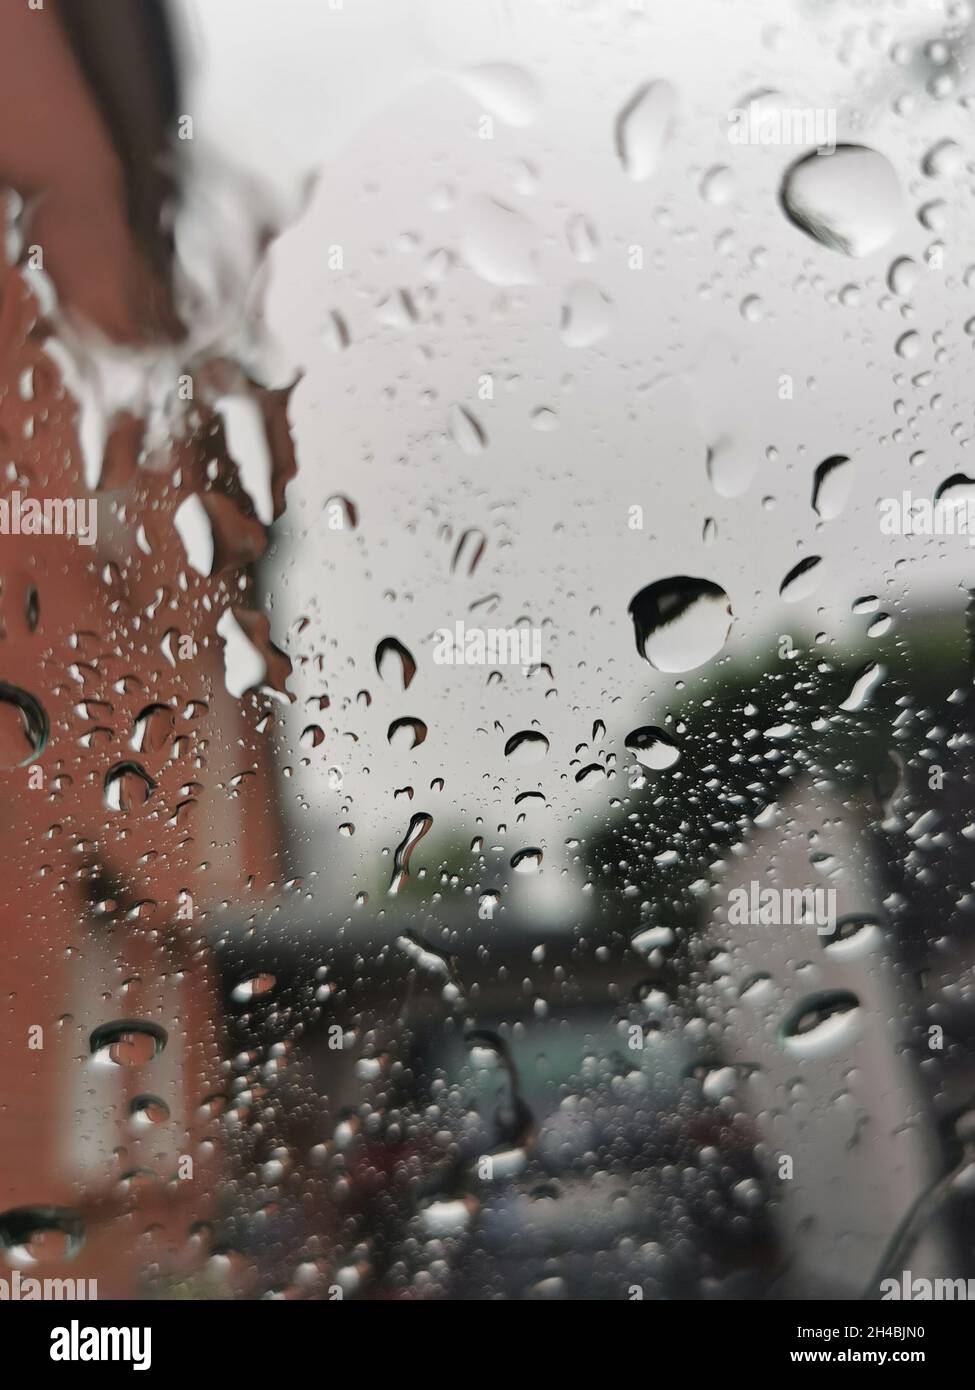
x=126 y=1043
x=653 y=748
x=802 y=580
x=680 y=622
x=507 y=91
x=154 y=726
x=849 y=200
x=643 y=128
x=127 y=785
x=863 y=687
x=526 y=747
x=731 y=467
x=252 y=988
x=147 y=1111
x=831 y=487
x=586 y=315
x=418 y=827
x=406 y=733
x=821 y=1023
x=855 y=935
x=499 y=244
x=527 y=861
x=466 y=430
x=395 y=663
x=24 y=726
x=36 y=1235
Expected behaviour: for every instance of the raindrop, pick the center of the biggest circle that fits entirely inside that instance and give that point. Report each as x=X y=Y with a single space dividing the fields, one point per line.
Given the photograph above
x=831 y=486
x=468 y=550
x=680 y=622
x=821 y=1023
x=507 y=91
x=126 y=1043
x=252 y=988
x=849 y=200
x=544 y=420
x=397 y=310
x=942 y=160
x=153 y=727
x=591 y=775
x=24 y=727
x=406 y=733
x=718 y=185
x=526 y=747
x=582 y=239
x=908 y=345
x=902 y=276
x=418 y=827
x=863 y=687
x=395 y=663
x=730 y=469
x=586 y=315
x=148 y=1110
x=802 y=580
x=643 y=128
x=500 y=244
x=853 y=936
x=527 y=861
x=336 y=335
x=653 y=748
x=127 y=786
x=466 y=431
x=38 y=1235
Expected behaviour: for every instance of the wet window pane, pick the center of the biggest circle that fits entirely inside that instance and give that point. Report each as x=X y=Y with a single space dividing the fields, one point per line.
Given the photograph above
x=486 y=704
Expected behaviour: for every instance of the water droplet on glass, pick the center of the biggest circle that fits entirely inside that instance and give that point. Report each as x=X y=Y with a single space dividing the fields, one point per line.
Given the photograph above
x=527 y=861
x=802 y=580
x=418 y=827
x=643 y=128
x=849 y=200
x=863 y=687
x=40 y=1235
x=126 y=1043
x=943 y=160
x=718 y=185
x=499 y=244
x=255 y=987
x=831 y=486
x=731 y=468
x=526 y=747
x=586 y=315
x=127 y=786
x=653 y=748
x=466 y=430
x=406 y=733
x=505 y=90
x=902 y=276
x=821 y=1023
x=24 y=726
x=148 y=1110
x=680 y=622
x=395 y=663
